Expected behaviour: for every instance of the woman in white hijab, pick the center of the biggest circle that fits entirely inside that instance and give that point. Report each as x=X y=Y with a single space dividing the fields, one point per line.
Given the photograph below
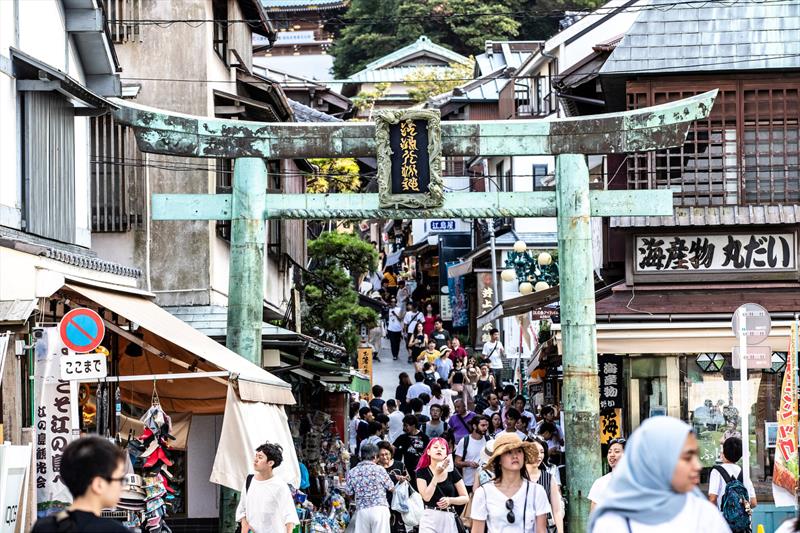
x=654 y=489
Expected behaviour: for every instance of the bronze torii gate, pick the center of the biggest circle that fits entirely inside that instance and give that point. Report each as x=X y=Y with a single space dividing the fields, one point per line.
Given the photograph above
x=572 y=203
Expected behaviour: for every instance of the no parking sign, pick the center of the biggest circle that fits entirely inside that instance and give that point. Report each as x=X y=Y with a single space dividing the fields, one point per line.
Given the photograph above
x=82 y=330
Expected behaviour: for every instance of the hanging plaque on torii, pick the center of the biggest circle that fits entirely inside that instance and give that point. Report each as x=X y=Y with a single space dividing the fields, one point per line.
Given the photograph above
x=570 y=140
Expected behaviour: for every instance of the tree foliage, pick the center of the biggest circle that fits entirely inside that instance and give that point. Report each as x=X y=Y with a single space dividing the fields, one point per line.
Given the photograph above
x=365 y=100
x=334 y=175
x=377 y=27
x=331 y=309
x=426 y=82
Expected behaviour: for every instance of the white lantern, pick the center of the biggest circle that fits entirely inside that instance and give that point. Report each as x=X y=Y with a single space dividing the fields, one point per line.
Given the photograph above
x=540 y=286
x=508 y=274
x=525 y=288
x=545 y=259
x=520 y=246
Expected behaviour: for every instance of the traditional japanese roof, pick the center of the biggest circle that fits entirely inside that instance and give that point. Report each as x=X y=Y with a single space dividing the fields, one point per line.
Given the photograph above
x=710 y=36
x=302 y=5
x=303 y=113
x=422 y=47
x=733 y=215
x=501 y=54
x=485 y=89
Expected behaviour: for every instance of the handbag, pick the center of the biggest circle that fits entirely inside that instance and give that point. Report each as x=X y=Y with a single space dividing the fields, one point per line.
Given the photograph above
x=415 y=508
x=466 y=514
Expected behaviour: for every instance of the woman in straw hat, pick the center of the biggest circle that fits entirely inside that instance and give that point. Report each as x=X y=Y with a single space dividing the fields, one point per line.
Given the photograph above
x=441 y=488
x=654 y=488
x=511 y=503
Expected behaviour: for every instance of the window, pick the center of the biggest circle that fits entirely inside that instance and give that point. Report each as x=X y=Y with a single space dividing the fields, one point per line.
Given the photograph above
x=710 y=403
x=224 y=181
x=122 y=17
x=48 y=165
x=117 y=174
x=539 y=174
x=274 y=226
x=532 y=96
x=746 y=152
x=219 y=10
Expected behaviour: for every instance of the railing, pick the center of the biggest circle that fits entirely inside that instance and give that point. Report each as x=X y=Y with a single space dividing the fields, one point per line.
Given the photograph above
x=122 y=18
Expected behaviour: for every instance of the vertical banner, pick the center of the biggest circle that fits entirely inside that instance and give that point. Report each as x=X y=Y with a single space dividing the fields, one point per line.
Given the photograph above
x=53 y=429
x=14 y=466
x=365 y=367
x=611 y=404
x=785 y=472
x=458 y=299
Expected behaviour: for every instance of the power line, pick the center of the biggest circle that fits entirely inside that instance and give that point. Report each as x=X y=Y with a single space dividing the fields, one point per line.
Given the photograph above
x=670 y=68
x=521 y=14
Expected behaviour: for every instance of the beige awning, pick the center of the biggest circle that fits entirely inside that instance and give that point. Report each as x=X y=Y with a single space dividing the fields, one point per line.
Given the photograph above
x=180 y=346
x=667 y=338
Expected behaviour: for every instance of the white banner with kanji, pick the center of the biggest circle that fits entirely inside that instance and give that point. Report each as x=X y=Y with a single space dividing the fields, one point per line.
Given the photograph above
x=53 y=426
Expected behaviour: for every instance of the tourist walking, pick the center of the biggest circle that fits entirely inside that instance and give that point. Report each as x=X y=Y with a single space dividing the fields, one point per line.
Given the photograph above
x=439 y=334
x=459 y=420
x=542 y=475
x=430 y=319
x=441 y=488
x=395 y=419
x=417 y=342
x=736 y=510
x=599 y=490
x=368 y=483
x=410 y=445
x=654 y=489
x=468 y=449
x=401 y=392
x=395 y=328
x=266 y=505
x=397 y=473
x=511 y=503
x=493 y=351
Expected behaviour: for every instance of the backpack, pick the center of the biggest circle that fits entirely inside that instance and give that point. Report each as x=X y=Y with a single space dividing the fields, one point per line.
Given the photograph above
x=463 y=445
x=246 y=488
x=735 y=504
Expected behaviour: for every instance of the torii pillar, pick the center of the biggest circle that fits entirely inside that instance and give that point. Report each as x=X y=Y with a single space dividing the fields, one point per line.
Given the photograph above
x=570 y=140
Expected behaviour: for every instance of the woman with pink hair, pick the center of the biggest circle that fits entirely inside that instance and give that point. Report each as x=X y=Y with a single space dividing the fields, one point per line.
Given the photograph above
x=441 y=488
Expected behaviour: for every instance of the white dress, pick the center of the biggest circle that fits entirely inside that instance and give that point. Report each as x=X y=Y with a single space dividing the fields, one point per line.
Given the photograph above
x=697 y=515
x=489 y=505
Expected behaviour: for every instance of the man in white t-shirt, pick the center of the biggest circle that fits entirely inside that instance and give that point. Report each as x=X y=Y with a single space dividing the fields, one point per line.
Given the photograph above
x=468 y=449
x=494 y=352
x=599 y=490
x=395 y=420
x=395 y=327
x=418 y=387
x=266 y=505
x=412 y=317
x=731 y=453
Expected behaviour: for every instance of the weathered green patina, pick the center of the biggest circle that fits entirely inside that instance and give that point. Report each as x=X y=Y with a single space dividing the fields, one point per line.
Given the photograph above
x=573 y=203
x=435 y=195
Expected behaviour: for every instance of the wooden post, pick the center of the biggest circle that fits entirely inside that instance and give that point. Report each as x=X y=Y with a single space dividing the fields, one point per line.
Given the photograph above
x=246 y=275
x=581 y=382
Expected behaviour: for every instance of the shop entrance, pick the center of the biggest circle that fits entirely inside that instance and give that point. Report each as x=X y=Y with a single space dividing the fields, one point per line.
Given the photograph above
x=654 y=388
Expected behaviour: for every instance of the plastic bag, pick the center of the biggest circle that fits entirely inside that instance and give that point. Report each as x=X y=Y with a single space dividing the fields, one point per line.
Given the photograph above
x=400 y=497
x=415 y=508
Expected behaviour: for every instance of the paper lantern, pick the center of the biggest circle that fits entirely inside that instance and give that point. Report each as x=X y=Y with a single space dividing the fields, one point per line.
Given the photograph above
x=520 y=247
x=545 y=259
x=540 y=286
x=525 y=288
x=508 y=274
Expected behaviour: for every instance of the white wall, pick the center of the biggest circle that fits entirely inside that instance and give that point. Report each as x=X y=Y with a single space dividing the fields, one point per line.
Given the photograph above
x=40 y=24
x=202 y=496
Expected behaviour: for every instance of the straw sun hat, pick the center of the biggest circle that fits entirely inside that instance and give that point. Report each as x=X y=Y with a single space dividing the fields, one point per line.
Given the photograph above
x=505 y=442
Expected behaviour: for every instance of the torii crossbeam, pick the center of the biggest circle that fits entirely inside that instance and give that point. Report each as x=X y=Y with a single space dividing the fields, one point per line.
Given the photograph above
x=572 y=203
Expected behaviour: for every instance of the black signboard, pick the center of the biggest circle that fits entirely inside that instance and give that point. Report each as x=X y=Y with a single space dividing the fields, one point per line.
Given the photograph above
x=611 y=389
x=410 y=164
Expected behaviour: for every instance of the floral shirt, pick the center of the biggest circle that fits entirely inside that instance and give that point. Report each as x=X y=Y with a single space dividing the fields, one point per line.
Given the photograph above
x=363 y=480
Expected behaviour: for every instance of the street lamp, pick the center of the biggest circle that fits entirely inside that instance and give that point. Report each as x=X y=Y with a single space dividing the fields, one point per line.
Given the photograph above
x=534 y=272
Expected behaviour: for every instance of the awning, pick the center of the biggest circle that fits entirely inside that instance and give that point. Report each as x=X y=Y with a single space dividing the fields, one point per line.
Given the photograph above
x=668 y=338
x=460 y=269
x=360 y=383
x=174 y=346
x=393 y=258
x=16 y=311
x=520 y=305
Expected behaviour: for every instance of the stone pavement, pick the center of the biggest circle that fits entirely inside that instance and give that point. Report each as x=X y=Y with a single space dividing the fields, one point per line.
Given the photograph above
x=385 y=373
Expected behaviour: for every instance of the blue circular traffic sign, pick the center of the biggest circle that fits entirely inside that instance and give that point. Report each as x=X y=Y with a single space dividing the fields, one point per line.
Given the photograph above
x=82 y=330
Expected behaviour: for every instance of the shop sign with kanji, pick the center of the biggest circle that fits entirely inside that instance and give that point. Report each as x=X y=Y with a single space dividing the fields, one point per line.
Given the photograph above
x=714 y=257
x=610 y=370
x=409 y=153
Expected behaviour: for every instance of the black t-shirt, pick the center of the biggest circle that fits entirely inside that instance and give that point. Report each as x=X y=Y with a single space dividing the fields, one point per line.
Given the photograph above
x=444 y=489
x=441 y=337
x=409 y=448
x=82 y=521
x=377 y=403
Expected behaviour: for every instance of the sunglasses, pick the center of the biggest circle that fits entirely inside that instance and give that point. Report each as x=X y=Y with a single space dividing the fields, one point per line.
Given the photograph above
x=617 y=441
x=510 y=516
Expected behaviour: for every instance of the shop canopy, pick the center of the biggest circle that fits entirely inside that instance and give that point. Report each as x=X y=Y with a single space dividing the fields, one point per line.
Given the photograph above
x=169 y=345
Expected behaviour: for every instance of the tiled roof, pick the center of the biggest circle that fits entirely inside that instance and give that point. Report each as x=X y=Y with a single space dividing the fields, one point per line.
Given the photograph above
x=485 y=89
x=212 y=320
x=302 y=5
x=710 y=36
x=303 y=113
x=394 y=74
x=505 y=54
x=423 y=44
x=716 y=216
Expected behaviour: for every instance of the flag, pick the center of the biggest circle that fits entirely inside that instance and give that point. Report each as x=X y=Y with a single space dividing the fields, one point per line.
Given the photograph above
x=785 y=472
